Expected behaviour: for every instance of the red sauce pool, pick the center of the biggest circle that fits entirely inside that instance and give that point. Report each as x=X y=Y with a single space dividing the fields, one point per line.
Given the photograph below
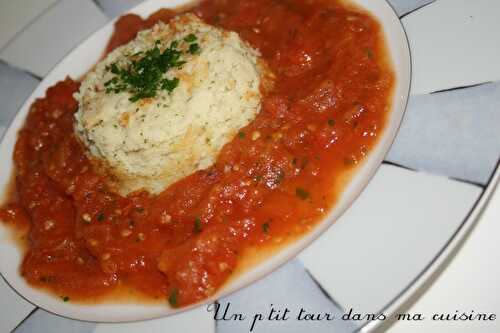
x=273 y=182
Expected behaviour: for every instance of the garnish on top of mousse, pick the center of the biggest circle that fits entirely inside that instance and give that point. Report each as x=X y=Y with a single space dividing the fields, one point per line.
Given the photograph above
x=146 y=72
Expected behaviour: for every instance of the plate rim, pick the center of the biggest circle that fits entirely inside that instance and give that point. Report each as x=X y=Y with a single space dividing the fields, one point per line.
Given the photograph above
x=431 y=270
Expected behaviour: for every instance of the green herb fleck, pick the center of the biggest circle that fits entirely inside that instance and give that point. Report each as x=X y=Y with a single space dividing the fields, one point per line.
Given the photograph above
x=280 y=175
x=143 y=77
x=191 y=38
x=331 y=122
x=241 y=135
x=197 y=225
x=100 y=217
x=265 y=227
x=169 y=85
x=369 y=53
x=194 y=48
x=301 y=193
x=65 y=299
x=172 y=299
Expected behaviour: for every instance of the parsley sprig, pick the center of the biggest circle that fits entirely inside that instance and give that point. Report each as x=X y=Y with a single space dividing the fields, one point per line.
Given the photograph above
x=143 y=77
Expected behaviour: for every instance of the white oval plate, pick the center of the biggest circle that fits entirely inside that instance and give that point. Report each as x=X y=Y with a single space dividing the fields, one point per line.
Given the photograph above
x=84 y=57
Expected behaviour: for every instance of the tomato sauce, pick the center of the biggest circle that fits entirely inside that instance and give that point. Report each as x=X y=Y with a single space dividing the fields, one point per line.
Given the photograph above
x=273 y=182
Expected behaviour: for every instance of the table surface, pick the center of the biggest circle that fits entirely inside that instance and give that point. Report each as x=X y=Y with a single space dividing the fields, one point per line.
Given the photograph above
x=441 y=162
